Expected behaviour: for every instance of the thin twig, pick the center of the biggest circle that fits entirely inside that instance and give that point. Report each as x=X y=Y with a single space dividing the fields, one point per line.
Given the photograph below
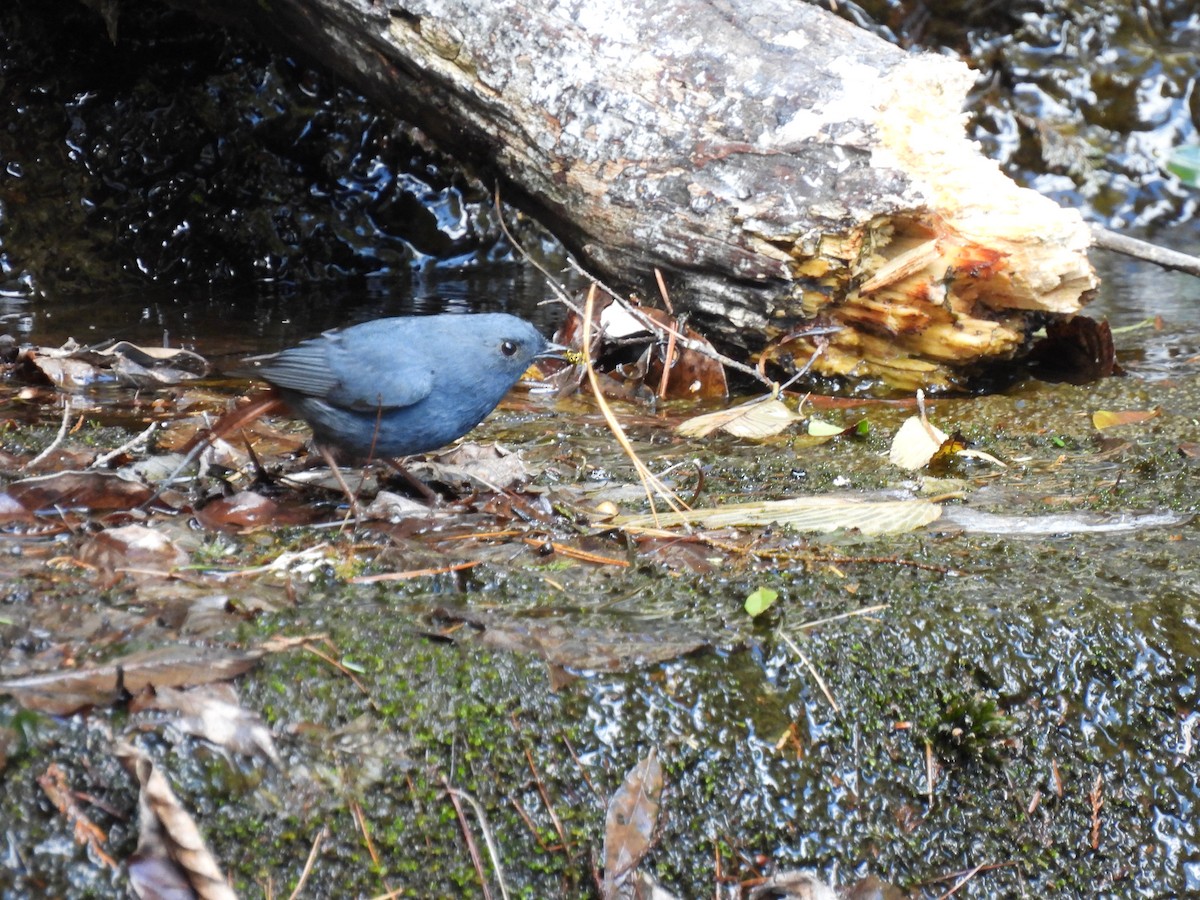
x=533 y=829
x=930 y=773
x=58 y=438
x=467 y=836
x=1096 y=798
x=954 y=876
x=701 y=347
x=558 y=289
x=962 y=881
x=413 y=573
x=650 y=482
x=813 y=669
x=1144 y=250
x=105 y=458
x=337 y=665
x=308 y=865
x=360 y=820
x=541 y=789
x=662 y=290
x=582 y=769
x=866 y=610
x=488 y=838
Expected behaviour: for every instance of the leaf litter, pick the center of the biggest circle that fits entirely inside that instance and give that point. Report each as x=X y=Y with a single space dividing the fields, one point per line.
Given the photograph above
x=490 y=495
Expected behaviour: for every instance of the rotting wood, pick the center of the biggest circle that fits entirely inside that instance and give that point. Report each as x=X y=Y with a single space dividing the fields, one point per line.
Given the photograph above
x=776 y=163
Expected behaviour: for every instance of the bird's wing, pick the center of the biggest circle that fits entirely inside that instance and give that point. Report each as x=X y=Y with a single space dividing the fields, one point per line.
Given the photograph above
x=303 y=369
x=348 y=371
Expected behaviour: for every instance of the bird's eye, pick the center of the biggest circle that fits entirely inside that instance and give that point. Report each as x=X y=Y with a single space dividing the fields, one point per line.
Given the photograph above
x=508 y=348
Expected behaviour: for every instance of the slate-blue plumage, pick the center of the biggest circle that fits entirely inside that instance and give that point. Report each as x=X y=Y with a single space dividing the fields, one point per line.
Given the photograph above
x=395 y=387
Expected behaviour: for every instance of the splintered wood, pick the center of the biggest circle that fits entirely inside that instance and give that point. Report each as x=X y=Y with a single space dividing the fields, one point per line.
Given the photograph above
x=926 y=298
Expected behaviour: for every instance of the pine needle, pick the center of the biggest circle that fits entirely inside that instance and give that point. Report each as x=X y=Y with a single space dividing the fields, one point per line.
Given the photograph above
x=651 y=483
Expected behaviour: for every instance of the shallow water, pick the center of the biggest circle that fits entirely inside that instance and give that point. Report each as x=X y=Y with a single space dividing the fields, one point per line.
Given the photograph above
x=1088 y=643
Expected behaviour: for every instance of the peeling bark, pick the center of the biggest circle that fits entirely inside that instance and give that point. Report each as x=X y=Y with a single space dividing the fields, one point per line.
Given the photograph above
x=777 y=163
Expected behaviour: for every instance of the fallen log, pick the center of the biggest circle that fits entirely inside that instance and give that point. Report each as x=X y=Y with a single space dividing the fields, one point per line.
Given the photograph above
x=776 y=163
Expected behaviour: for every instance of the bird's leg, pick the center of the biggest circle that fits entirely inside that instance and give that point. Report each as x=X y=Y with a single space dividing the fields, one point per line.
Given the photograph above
x=415 y=483
x=337 y=474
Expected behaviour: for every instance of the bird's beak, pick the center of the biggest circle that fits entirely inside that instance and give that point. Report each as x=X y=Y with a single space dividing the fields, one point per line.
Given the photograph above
x=554 y=351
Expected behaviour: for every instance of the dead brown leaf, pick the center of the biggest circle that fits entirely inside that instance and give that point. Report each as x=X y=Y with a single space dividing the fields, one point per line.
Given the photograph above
x=133 y=547
x=75 y=368
x=245 y=509
x=88 y=491
x=631 y=346
x=171 y=850
x=692 y=374
x=67 y=691
x=631 y=823
x=12 y=510
x=488 y=466
x=1077 y=351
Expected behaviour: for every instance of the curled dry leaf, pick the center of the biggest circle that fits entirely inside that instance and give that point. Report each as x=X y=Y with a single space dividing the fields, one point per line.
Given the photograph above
x=245 y=509
x=144 y=366
x=67 y=374
x=75 y=368
x=916 y=443
x=759 y=418
x=168 y=836
x=488 y=466
x=212 y=712
x=631 y=822
x=632 y=345
x=693 y=373
x=919 y=443
x=1078 y=350
x=12 y=510
x=392 y=507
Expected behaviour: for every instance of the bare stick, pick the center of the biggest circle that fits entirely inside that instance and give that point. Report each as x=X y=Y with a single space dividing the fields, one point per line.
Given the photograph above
x=867 y=610
x=308 y=865
x=1144 y=250
x=466 y=831
x=562 y=295
x=58 y=438
x=650 y=325
x=813 y=669
x=106 y=458
x=541 y=789
x=962 y=881
x=488 y=838
x=650 y=482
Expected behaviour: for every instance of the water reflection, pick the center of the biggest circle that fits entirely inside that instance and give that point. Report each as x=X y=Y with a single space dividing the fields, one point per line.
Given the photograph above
x=1132 y=291
x=238 y=320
